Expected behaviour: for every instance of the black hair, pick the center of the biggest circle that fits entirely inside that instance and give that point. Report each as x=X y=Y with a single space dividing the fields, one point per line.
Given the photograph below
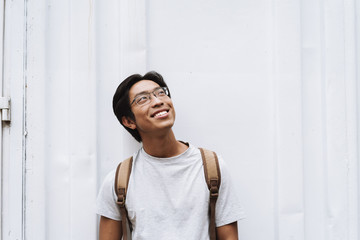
x=121 y=101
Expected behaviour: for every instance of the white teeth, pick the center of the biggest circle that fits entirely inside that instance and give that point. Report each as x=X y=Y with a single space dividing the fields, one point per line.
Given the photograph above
x=160 y=114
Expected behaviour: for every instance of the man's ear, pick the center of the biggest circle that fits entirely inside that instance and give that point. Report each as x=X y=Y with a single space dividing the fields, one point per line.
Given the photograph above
x=128 y=122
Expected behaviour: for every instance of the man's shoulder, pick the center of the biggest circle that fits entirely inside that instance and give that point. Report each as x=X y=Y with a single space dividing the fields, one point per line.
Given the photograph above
x=110 y=176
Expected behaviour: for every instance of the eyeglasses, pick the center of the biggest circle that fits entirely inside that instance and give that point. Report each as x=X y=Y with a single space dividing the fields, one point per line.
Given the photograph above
x=145 y=97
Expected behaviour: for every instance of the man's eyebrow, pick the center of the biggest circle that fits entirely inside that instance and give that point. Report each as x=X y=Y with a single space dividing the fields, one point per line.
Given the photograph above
x=145 y=92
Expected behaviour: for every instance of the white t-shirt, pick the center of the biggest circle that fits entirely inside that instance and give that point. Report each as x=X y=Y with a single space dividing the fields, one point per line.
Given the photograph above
x=168 y=198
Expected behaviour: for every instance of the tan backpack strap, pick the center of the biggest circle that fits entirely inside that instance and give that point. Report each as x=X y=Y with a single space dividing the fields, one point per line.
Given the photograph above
x=121 y=184
x=213 y=180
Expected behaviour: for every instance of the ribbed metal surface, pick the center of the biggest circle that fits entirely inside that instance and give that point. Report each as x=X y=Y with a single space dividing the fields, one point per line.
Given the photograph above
x=269 y=85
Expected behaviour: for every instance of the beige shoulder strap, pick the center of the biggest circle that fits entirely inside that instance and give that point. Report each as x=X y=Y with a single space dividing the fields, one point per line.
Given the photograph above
x=122 y=176
x=213 y=180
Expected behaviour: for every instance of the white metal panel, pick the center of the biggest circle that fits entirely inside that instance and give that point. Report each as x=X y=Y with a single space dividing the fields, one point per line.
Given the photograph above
x=271 y=86
x=61 y=149
x=313 y=120
x=350 y=77
x=14 y=78
x=71 y=95
x=337 y=139
x=82 y=120
x=303 y=126
x=288 y=127
x=57 y=171
x=36 y=160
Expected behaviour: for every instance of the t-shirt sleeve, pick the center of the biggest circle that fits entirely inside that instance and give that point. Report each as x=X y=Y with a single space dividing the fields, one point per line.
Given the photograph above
x=106 y=200
x=228 y=207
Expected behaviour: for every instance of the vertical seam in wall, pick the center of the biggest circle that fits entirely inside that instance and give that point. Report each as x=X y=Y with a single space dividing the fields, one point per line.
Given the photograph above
x=97 y=25
x=47 y=122
x=347 y=153
x=357 y=61
x=357 y=90
x=302 y=115
x=69 y=120
x=324 y=112
x=24 y=131
x=352 y=230
x=3 y=45
x=275 y=126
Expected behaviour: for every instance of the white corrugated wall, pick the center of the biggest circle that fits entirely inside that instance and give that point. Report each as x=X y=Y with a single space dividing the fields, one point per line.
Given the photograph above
x=270 y=85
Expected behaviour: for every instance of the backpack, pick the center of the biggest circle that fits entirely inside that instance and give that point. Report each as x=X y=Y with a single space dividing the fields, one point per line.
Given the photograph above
x=212 y=178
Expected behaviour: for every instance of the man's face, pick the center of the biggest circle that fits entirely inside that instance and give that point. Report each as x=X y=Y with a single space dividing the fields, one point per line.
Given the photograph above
x=154 y=117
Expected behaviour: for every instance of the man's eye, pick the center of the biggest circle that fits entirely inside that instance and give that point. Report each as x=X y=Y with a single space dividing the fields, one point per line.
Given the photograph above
x=161 y=92
x=142 y=99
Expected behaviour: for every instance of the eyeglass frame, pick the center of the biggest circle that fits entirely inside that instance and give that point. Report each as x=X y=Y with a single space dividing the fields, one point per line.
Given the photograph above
x=148 y=94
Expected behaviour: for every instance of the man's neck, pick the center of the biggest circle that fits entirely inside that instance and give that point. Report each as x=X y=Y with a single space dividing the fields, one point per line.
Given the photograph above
x=163 y=146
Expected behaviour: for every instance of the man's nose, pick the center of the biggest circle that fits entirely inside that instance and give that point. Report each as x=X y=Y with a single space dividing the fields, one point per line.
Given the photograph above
x=155 y=100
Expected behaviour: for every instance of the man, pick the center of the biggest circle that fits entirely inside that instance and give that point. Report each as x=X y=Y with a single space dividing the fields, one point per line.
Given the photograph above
x=167 y=196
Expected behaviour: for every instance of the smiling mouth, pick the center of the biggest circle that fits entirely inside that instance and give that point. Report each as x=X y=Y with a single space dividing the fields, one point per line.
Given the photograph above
x=160 y=114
